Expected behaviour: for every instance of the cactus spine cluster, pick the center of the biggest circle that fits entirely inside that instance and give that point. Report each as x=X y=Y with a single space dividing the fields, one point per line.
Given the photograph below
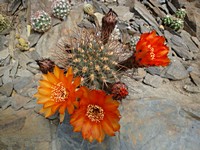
x=40 y=21
x=175 y=22
x=61 y=9
x=91 y=59
x=180 y=13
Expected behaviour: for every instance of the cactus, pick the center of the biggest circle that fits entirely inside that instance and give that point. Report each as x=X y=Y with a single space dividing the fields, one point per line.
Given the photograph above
x=4 y=23
x=167 y=20
x=134 y=40
x=180 y=13
x=177 y=24
x=40 y=21
x=61 y=9
x=88 y=9
x=90 y=58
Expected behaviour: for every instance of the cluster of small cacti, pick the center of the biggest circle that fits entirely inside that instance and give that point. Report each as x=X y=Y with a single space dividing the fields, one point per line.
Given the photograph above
x=175 y=22
x=4 y=23
x=88 y=9
x=60 y=9
x=134 y=40
x=90 y=58
x=40 y=21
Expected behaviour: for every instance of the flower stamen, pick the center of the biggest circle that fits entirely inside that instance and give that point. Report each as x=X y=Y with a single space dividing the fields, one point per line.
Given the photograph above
x=152 y=54
x=95 y=113
x=59 y=93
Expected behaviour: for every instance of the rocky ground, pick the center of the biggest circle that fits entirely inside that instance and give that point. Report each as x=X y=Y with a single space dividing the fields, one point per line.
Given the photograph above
x=162 y=110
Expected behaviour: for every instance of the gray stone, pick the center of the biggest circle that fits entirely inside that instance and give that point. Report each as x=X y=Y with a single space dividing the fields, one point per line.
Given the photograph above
x=6 y=76
x=19 y=101
x=4 y=54
x=14 y=69
x=178 y=45
x=155 y=70
x=2 y=41
x=196 y=41
x=124 y=13
x=153 y=80
x=34 y=38
x=1 y=82
x=188 y=41
x=30 y=105
x=5 y=102
x=24 y=60
x=30 y=92
x=22 y=82
x=23 y=73
x=176 y=71
x=7 y=89
x=195 y=78
x=192 y=89
x=144 y=13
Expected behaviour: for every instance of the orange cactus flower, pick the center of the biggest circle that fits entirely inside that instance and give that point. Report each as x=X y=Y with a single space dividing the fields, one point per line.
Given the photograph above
x=151 y=51
x=97 y=115
x=58 y=92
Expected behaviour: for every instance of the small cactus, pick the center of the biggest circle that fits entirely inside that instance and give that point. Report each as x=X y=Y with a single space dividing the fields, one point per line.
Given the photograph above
x=4 y=23
x=61 y=9
x=119 y=91
x=180 y=13
x=88 y=9
x=90 y=58
x=167 y=20
x=40 y=21
x=46 y=65
x=134 y=40
x=177 y=24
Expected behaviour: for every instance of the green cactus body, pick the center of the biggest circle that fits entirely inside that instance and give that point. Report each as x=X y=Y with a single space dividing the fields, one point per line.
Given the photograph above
x=167 y=20
x=88 y=9
x=4 y=23
x=91 y=59
x=134 y=40
x=40 y=21
x=180 y=13
x=61 y=9
x=177 y=24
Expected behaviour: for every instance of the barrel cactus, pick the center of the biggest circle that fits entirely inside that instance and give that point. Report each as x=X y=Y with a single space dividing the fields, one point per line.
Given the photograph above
x=61 y=9
x=180 y=13
x=90 y=58
x=40 y=21
x=167 y=20
x=177 y=24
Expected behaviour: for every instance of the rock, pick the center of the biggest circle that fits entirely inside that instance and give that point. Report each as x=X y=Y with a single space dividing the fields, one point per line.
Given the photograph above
x=2 y=42
x=25 y=130
x=34 y=38
x=23 y=73
x=21 y=82
x=6 y=76
x=144 y=13
x=138 y=74
x=195 y=78
x=24 y=60
x=30 y=105
x=124 y=13
x=153 y=80
x=196 y=41
x=156 y=124
x=7 y=89
x=4 y=54
x=192 y=89
x=14 y=69
x=1 y=82
x=188 y=41
x=5 y=102
x=176 y=71
x=178 y=45
x=155 y=70
x=19 y=101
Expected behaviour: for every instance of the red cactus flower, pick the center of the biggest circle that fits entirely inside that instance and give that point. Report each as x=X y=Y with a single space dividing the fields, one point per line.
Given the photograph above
x=119 y=91
x=151 y=51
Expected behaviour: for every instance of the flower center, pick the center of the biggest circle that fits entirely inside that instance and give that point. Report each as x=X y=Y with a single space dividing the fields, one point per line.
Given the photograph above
x=95 y=113
x=152 y=54
x=59 y=93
